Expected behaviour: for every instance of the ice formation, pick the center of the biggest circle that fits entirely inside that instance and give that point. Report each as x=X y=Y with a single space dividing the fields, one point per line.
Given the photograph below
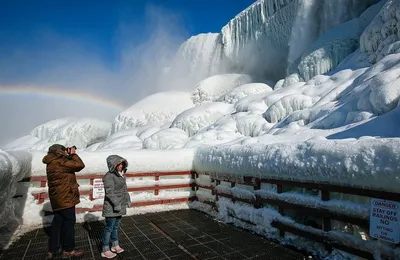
x=245 y=90
x=158 y=109
x=81 y=132
x=194 y=119
x=214 y=88
x=382 y=35
x=171 y=138
x=333 y=46
x=198 y=58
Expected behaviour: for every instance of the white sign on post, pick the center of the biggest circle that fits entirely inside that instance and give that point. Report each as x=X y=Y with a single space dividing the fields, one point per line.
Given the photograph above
x=384 y=220
x=98 y=189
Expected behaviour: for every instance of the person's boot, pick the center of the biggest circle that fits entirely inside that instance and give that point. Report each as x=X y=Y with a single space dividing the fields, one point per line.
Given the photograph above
x=75 y=252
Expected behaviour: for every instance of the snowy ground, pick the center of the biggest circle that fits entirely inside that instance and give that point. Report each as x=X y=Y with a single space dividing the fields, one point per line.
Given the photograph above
x=340 y=127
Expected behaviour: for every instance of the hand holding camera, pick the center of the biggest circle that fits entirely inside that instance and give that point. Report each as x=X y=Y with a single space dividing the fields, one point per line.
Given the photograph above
x=71 y=150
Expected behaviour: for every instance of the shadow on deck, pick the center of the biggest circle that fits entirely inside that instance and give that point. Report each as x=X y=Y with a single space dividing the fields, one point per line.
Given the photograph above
x=182 y=234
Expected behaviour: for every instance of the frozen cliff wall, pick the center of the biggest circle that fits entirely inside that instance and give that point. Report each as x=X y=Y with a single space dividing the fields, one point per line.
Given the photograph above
x=256 y=40
x=332 y=47
x=382 y=36
x=270 y=36
x=263 y=37
x=197 y=58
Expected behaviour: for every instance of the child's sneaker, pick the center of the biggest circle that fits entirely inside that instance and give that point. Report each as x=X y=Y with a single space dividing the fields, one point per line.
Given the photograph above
x=117 y=249
x=108 y=254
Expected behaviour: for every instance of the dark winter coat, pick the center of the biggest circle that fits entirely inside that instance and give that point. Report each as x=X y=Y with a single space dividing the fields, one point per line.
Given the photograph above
x=116 y=198
x=61 y=179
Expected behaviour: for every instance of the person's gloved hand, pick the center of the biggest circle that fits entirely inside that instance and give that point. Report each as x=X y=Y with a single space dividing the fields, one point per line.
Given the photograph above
x=117 y=208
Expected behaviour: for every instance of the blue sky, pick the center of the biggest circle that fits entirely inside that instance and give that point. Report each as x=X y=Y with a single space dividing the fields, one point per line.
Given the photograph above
x=108 y=48
x=96 y=24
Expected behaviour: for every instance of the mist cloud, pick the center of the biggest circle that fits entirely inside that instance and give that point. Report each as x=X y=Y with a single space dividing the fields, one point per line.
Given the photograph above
x=51 y=60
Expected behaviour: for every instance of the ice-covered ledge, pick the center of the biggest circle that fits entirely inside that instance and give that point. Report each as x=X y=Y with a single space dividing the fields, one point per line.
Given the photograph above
x=368 y=163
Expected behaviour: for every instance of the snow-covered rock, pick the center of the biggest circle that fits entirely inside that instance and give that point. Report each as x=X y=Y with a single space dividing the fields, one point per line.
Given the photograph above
x=171 y=138
x=81 y=132
x=245 y=90
x=123 y=142
x=286 y=105
x=252 y=125
x=382 y=35
x=194 y=119
x=158 y=109
x=215 y=87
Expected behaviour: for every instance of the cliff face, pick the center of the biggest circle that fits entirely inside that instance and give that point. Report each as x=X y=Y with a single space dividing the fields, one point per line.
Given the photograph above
x=268 y=37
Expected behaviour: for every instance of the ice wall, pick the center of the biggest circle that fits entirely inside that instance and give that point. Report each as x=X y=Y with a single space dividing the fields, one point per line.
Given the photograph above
x=382 y=36
x=197 y=58
x=262 y=28
x=264 y=39
x=330 y=48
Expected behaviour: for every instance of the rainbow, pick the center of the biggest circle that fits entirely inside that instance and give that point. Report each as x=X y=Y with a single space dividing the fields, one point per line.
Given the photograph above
x=60 y=93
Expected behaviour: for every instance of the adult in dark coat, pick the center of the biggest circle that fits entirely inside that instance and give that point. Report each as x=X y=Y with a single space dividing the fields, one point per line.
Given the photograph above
x=63 y=195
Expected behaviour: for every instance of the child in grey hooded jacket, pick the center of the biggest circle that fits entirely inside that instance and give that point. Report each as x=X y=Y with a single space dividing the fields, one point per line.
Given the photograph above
x=116 y=200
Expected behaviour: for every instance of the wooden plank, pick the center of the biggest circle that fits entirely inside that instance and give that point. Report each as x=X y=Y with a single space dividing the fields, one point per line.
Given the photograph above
x=324 y=186
x=337 y=188
x=44 y=195
x=325 y=196
x=205 y=186
x=133 y=204
x=322 y=239
x=100 y=175
x=160 y=187
x=316 y=212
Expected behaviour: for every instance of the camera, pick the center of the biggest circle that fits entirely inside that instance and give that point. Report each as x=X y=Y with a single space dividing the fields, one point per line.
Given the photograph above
x=70 y=148
x=69 y=155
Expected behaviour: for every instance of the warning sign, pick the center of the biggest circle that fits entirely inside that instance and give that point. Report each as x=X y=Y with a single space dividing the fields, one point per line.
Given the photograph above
x=384 y=220
x=98 y=189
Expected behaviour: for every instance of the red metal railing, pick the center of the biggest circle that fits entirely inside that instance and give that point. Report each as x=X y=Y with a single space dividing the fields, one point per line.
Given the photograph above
x=41 y=196
x=326 y=215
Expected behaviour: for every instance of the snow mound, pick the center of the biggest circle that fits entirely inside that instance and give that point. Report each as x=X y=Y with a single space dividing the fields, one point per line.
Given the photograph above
x=286 y=105
x=382 y=35
x=385 y=90
x=81 y=132
x=122 y=142
x=215 y=87
x=252 y=125
x=194 y=119
x=245 y=90
x=157 y=110
x=14 y=166
x=171 y=138
x=6 y=189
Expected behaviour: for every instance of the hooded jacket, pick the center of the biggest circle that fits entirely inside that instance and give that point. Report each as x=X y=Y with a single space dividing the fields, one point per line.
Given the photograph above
x=116 y=198
x=61 y=179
